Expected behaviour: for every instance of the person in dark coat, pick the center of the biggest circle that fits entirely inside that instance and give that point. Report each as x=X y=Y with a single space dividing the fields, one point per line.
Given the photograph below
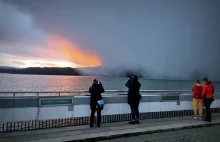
x=134 y=97
x=95 y=90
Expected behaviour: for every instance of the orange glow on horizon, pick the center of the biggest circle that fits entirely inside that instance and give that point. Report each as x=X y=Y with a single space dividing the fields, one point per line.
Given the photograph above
x=57 y=52
x=72 y=53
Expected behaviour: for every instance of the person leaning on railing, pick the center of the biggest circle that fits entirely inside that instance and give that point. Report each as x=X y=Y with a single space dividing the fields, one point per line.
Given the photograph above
x=197 y=100
x=95 y=90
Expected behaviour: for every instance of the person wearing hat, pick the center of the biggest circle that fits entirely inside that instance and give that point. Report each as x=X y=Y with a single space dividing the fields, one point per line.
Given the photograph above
x=95 y=90
x=208 y=97
x=134 y=98
x=197 y=100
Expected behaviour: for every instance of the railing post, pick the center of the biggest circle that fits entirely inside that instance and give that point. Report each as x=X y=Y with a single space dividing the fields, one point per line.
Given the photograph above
x=14 y=94
x=178 y=101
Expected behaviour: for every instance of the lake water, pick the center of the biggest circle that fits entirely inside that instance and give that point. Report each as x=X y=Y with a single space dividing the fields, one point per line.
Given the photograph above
x=15 y=82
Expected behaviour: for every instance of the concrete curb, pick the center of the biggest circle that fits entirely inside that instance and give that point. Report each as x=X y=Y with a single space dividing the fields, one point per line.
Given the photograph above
x=164 y=128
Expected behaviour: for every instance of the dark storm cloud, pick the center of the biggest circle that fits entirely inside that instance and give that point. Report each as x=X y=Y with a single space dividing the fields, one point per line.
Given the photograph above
x=19 y=34
x=170 y=38
x=16 y=25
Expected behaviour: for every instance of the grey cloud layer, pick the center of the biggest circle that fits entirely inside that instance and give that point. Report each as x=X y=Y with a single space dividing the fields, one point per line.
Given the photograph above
x=16 y=25
x=19 y=34
x=171 y=38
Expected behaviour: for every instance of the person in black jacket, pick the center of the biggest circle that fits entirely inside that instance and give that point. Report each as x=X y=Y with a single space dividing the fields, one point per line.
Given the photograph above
x=134 y=98
x=95 y=90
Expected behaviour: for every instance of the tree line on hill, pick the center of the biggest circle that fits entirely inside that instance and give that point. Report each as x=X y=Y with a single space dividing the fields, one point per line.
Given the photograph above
x=42 y=71
x=64 y=71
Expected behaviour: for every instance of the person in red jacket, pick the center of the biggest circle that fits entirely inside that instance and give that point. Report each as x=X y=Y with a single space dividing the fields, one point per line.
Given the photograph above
x=197 y=100
x=208 y=97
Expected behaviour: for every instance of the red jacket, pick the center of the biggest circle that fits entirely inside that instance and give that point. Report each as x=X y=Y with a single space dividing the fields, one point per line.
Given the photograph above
x=197 y=92
x=208 y=90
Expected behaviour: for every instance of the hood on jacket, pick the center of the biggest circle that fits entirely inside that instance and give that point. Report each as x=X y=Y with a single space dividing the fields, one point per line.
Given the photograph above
x=135 y=78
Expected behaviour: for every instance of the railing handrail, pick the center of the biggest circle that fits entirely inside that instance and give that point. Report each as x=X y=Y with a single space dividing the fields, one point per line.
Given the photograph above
x=79 y=92
x=87 y=91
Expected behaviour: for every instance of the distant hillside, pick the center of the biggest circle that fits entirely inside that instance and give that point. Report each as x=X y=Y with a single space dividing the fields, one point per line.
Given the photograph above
x=42 y=71
x=7 y=67
x=91 y=71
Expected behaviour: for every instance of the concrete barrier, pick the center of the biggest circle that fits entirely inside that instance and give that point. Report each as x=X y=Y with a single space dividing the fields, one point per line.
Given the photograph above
x=31 y=108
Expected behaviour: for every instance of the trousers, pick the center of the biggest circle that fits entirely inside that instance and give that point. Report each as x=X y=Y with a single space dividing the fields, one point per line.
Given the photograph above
x=93 y=115
x=198 y=105
x=207 y=103
x=134 y=113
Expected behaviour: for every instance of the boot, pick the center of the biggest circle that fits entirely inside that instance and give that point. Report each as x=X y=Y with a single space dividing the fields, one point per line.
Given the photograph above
x=137 y=121
x=98 y=125
x=132 y=122
x=91 y=125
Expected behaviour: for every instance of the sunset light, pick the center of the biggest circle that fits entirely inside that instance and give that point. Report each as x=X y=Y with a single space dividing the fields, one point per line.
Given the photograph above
x=42 y=63
x=72 y=53
x=57 y=52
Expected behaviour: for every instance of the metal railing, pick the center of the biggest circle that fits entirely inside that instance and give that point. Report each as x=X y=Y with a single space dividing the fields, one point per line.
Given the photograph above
x=75 y=121
x=82 y=92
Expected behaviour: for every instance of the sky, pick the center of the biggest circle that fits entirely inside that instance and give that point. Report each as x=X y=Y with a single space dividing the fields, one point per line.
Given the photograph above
x=177 y=38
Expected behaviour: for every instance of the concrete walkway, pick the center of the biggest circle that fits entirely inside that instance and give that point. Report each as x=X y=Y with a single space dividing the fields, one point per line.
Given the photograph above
x=107 y=130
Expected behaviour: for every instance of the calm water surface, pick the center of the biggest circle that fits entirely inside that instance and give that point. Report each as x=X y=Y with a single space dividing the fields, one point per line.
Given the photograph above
x=15 y=82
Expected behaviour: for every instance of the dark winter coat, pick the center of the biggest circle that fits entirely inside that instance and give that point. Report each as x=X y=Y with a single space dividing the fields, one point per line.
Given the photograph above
x=133 y=92
x=95 y=91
